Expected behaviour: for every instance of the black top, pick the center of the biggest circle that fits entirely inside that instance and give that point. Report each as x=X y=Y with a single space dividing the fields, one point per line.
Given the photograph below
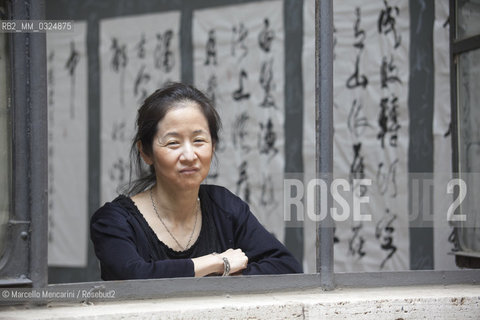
x=206 y=243
x=129 y=249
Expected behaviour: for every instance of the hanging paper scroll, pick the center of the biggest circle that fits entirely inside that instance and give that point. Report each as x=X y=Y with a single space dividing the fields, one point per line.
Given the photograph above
x=239 y=62
x=67 y=147
x=371 y=71
x=138 y=55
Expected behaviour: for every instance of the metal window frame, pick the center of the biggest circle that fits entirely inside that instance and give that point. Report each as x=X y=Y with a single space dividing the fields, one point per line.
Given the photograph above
x=324 y=135
x=458 y=47
x=25 y=260
x=179 y=287
x=30 y=199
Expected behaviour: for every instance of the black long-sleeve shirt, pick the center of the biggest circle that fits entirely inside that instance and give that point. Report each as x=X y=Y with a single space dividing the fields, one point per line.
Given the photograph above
x=129 y=249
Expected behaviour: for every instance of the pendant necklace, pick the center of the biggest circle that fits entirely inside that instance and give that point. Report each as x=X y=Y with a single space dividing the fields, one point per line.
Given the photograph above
x=171 y=235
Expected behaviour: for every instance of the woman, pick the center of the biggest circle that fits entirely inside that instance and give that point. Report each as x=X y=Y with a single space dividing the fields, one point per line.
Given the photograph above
x=170 y=225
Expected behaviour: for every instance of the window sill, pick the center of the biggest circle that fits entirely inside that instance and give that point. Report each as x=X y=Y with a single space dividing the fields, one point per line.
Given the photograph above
x=455 y=301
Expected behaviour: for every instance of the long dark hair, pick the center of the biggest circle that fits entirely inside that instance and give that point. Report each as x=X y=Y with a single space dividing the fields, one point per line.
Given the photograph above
x=154 y=109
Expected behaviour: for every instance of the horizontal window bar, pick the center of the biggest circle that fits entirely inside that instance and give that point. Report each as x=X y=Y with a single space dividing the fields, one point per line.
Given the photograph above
x=14 y=282
x=461 y=46
x=164 y=288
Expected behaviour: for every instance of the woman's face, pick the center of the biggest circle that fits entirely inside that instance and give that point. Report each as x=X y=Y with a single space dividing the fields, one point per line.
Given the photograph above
x=182 y=148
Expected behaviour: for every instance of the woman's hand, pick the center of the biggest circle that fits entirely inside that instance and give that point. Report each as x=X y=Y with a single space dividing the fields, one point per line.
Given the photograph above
x=213 y=263
x=237 y=259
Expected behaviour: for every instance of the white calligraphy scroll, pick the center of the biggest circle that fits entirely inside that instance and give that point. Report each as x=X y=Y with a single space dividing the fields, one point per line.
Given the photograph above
x=138 y=55
x=239 y=62
x=442 y=138
x=371 y=71
x=67 y=147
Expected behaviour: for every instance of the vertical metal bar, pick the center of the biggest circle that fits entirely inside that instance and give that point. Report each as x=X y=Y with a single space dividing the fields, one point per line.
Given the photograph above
x=293 y=22
x=37 y=70
x=15 y=264
x=25 y=260
x=324 y=134
x=30 y=142
x=420 y=110
x=453 y=87
x=454 y=127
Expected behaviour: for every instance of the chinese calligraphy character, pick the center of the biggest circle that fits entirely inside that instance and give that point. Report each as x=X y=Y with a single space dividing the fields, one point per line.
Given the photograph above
x=388 y=120
x=119 y=63
x=211 y=49
x=163 y=55
x=118 y=171
x=240 y=131
x=357 y=169
x=266 y=36
x=388 y=72
x=356 y=242
x=267 y=139
x=384 y=233
x=243 y=185
x=119 y=59
x=386 y=22
x=118 y=131
x=266 y=81
x=239 y=94
x=141 y=47
x=139 y=87
x=384 y=179
x=357 y=80
x=358 y=33
x=239 y=35
x=168 y=60
x=212 y=87
x=71 y=65
x=357 y=123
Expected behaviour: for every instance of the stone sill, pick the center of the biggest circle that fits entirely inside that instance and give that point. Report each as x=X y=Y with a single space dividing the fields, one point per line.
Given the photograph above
x=412 y=302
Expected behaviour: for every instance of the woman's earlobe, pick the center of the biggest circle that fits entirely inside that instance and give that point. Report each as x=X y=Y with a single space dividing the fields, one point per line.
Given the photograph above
x=145 y=158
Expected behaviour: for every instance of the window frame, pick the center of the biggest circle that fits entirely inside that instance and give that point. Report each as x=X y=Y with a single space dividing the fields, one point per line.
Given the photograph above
x=25 y=260
x=30 y=200
x=457 y=48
